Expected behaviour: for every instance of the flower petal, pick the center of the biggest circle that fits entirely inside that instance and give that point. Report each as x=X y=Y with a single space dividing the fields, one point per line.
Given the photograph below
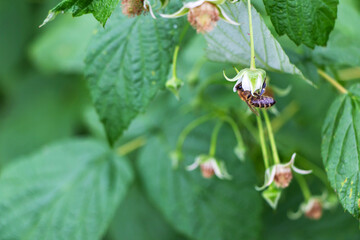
x=236 y=78
x=194 y=165
x=300 y=171
x=147 y=4
x=269 y=178
x=184 y=10
x=194 y=4
x=246 y=84
x=225 y=17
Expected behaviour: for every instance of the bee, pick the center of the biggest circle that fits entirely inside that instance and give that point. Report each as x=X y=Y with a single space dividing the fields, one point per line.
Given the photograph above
x=256 y=100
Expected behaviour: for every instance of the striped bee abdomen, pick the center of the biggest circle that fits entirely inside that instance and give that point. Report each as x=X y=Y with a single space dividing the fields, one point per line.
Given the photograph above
x=262 y=102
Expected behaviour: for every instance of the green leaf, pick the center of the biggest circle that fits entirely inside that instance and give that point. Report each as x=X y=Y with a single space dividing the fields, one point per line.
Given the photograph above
x=304 y=21
x=343 y=45
x=137 y=219
x=341 y=149
x=127 y=63
x=69 y=190
x=101 y=9
x=60 y=48
x=200 y=208
x=229 y=43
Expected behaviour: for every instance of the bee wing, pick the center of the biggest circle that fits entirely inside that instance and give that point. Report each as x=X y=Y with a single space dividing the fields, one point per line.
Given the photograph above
x=252 y=109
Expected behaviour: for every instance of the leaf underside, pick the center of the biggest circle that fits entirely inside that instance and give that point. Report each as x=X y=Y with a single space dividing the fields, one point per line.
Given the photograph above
x=230 y=43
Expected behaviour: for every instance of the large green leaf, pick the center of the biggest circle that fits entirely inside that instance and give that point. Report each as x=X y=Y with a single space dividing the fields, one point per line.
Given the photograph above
x=343 y=47
x=230 y=43
x=200 y=208
x=341 y=149
x=137 y=219
x=66 y=191
x=101 y=9
x=127 y=63
x=304 y=21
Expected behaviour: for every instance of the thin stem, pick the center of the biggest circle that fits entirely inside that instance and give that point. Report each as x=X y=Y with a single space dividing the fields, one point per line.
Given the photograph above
x=235 y=128
x=131 y=146
x=176 y=51
x=332 y=81
x=304 y=187
x=214 y=136
x=262 y=142
x=189 y=128
x=252 y=61
x=271 y=138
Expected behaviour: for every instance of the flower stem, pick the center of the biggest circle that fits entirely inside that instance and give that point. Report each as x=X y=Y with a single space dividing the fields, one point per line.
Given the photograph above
x=131 y=146
x=176 y=51
x=271 y=138
x=252 y=61
x=304 y=187
x=235 y=128
x=214 y=136
x=332 y=81
x=262 y=142
x=189 y=128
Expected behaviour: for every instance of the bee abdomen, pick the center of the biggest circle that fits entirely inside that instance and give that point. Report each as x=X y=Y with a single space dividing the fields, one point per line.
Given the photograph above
x=263 y=102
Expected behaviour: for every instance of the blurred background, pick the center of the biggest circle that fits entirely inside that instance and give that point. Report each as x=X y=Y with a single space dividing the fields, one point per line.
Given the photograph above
x=44 y=98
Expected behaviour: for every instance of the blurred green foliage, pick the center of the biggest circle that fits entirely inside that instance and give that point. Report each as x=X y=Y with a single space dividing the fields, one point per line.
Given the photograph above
x=44 y=99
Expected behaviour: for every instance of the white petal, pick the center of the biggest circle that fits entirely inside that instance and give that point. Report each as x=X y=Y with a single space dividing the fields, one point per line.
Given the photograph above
x=147 y=4
x=184 y=10
x=225 y=17
x=269 y=178
x=216 y=168
x=236 y=84
x=194 y=4
x=300 y=171
x=194 y=165
x=246 y=84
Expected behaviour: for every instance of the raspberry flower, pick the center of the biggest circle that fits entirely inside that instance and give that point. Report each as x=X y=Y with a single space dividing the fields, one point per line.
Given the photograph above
x=281 y=174
x=252 y=79
x=210 y=166
x=202 y=14
x=313 y=208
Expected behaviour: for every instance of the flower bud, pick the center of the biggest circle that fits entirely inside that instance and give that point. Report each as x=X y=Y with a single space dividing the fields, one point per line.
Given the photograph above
x=283 y=176
x=174 y=84
x=132 y=8
x=239 y=151
x=204 y=17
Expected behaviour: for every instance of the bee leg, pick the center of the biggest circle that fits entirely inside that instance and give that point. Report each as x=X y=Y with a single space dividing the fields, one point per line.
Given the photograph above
x=252 y=109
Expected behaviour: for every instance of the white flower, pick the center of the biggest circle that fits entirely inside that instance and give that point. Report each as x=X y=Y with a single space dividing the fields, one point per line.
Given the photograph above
x=191 y=5
x=251 y=80
x=210 y=166
x=281 y=174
